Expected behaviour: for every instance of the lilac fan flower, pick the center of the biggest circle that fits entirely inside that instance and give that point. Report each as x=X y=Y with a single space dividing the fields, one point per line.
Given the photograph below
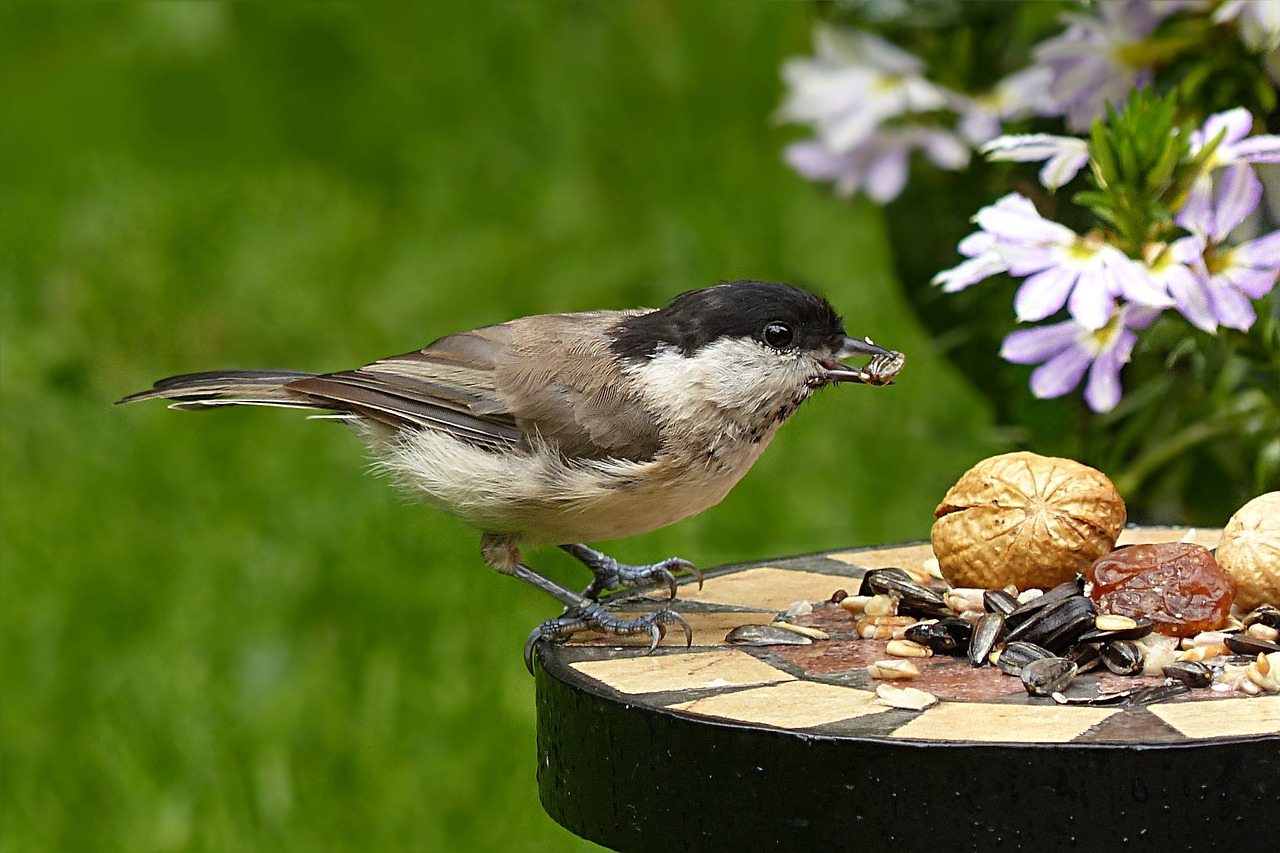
x=1236 y=145
x=1259 y=22
x=1097 y=61
x=1066 y=350
x=854 y=84
x=1067 y=155
x=1228 y=276
x=1086 y=273
x=1179 y=269
x=983 y=262
x=1019 y=95
x=879 y=165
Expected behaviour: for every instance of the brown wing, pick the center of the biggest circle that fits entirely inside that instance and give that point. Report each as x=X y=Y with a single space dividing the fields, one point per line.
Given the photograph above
x=559 y=380
x=546 y=378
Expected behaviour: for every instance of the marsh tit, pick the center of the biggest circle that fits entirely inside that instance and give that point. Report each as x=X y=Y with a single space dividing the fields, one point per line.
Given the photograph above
x=560 y=429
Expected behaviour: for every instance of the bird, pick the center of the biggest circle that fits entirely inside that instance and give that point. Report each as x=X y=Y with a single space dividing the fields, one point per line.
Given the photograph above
x=569 y=428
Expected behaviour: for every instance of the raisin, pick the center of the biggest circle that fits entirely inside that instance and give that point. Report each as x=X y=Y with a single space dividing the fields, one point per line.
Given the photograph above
x=1179 y=586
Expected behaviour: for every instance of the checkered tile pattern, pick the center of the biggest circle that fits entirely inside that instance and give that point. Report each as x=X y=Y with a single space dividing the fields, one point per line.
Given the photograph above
x=824 y=687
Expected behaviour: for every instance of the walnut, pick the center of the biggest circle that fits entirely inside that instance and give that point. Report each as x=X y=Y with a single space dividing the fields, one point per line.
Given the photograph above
x=1027 y=520
x=1250 y=551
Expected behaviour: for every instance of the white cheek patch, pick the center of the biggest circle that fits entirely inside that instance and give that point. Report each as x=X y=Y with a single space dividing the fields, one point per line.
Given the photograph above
x=733 y=374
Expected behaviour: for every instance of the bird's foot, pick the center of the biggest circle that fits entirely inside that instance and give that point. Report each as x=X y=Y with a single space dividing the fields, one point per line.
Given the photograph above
x=594 y=617
x=610 y=574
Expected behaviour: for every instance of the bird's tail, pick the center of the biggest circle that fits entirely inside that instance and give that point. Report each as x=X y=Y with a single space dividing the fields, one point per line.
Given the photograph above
x=194 y=391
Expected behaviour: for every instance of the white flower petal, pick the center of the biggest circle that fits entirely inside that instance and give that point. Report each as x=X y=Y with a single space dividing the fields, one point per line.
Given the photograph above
x=844 y=132
x=1189 y=250
x=1023 y=92
x=1044 y=293
x=1254 y=283
x=920 y=96
x=1102 y=391
x=1022 y=226
x=1258 y=149
x=976 y=244
x=969 y=272
x=887 y=176
x=1092 y=300
x=1032 y=346
x=1237 y=123
x=1059 y=374
x=1196 y=214
x=944 y=149
x=859 y=47
x=1062 y=168
x=1232 y=307
x=1134 y=282
x=978 y=125
x=1139 y=316
x=1238 y=197
x=812 y=160
x=1260 y=253
x=1032 y=147
x=1191 y=296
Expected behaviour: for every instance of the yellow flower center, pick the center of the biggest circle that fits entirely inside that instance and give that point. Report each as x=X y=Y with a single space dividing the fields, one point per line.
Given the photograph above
x=1099 y=339
x=1217 y=259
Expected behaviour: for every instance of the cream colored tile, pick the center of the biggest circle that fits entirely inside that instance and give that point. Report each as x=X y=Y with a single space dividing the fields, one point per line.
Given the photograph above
x=1003 y=723
x=1243 y=717
x=907 y=556
x=766 y=588
x=793 y=705
x=709 y=629
x=684 y=671
x=1208 y=536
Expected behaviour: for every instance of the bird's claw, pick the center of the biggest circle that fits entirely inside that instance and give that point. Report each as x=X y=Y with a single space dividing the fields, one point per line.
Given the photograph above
x=609 y=574
x=594 y=617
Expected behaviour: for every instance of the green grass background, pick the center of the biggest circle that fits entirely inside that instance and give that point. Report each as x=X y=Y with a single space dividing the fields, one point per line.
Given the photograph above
x=219 y=633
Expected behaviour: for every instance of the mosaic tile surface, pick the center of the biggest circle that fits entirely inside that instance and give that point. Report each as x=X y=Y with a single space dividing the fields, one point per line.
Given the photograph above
x=824 y=686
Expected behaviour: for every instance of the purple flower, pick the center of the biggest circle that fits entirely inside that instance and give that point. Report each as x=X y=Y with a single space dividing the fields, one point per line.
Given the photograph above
x=1067 y=155
x=1259 y=22
x=1066 y=350
x=1178 y=269
x=854 y=84
x=1236 y=145
x=1228 y=276
x=879 y=165
x=1098 y=60
x=1021 y=94
x=1086 y=274
x=983 y=262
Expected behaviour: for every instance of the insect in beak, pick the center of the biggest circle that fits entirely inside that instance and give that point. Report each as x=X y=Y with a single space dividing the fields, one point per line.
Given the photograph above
x=883 y=367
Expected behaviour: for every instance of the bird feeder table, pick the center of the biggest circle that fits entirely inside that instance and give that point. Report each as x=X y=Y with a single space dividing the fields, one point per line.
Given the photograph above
x=724 y=747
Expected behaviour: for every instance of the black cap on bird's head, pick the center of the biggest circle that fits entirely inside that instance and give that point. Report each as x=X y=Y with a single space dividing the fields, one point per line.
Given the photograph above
x=779 y=316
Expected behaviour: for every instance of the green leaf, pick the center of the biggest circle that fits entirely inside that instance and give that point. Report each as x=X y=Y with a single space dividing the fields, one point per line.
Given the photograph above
x=1105 y=172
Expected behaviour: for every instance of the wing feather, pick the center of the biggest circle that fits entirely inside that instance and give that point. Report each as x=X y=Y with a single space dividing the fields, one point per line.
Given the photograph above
x=548 y=379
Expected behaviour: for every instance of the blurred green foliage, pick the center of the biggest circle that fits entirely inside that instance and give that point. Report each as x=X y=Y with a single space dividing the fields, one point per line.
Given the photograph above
x=217 y=631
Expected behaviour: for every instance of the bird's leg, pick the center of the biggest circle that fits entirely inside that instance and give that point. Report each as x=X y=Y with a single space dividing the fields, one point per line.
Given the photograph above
x=584 y=614
x=610 y=574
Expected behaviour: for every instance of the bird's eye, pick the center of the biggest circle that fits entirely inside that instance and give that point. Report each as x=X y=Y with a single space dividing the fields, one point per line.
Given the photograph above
x=777 y=335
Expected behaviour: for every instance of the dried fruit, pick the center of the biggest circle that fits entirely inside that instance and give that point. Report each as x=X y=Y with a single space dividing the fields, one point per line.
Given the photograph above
x=1026 y=520
x=1250 y=551
x=1178 y=585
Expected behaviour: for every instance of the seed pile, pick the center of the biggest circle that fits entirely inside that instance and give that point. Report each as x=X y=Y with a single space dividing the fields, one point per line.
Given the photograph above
x=1050 y=638
x=1046 y=640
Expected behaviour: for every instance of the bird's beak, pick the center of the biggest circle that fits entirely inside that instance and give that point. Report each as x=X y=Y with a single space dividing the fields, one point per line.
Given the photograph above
x=883 y=367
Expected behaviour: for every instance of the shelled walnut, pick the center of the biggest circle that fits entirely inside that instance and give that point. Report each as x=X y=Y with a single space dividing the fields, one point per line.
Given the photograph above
x=1027 y=520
